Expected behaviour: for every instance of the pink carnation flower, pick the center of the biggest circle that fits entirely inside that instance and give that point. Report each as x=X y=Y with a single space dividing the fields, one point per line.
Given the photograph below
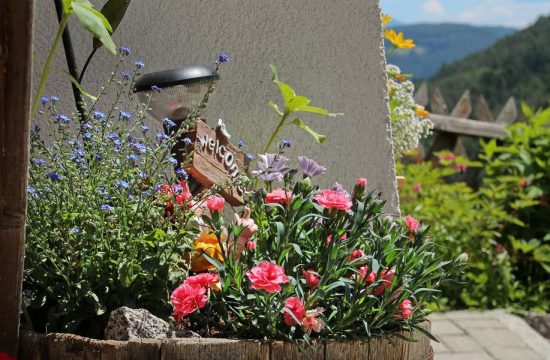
x=334 y=199
x=364 y=274
x=356 y=254
x=296 y=307
x=215 y=203
x=186 y=299
x=204 y=280
x=412 y=223
x=267 y=276
x=405 y=310
x=387 y=279
x=362 y=182
x=251 y=245
x=313 y=321
x=312 y=279
x=278 y=196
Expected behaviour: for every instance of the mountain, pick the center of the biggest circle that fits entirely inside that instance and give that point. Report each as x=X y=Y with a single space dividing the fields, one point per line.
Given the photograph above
x=518 y=65
x=437 y=44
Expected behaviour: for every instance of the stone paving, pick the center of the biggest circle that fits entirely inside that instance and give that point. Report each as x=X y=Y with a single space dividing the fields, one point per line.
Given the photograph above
x=488 y=335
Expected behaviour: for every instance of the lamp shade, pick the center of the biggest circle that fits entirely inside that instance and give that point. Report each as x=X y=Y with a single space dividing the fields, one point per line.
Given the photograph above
x=181 y=90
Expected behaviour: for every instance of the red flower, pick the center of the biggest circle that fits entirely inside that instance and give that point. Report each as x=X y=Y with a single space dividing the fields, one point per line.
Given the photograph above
x=361 y=182
x=312 y=279
x=387 y=278
x=204 y=280
x=370 y=278
x=267 y=276
x=343 y=237
x=334 y=199
x=215 y=203
x=405 y=310
x=186 y=299
x=296 y=307
x=278 y=196
x=251 y=245
x=523 y=182
x=313 y=321
x=412 y=223
x=356 y=254
x=417 y=187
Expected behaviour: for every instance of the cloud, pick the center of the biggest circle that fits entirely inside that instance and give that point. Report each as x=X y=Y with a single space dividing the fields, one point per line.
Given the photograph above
x=512 y=13
x=434 y=7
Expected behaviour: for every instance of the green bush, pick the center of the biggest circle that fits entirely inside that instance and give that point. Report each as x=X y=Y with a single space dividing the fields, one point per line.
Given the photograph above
x=503 y=226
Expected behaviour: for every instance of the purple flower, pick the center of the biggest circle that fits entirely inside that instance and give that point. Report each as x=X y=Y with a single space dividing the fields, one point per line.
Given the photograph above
x=240 y=143
x=310 y=168
x=125 y=51
x=139 y=147
x=122 y=184
x=287 y=143
x=63 y=118
x=250 y=156
x=338 y=187
x=125 y=75
x=144 y=129
x=181 y=172
x=125 y=115
x=86 y=126
x=98 y=156
x=131 y=139
x=102 y=191
x=87 y=136
x=112 y=136
x=75 y=230
x=223 y=58
x=39 y=161
x=156 y=88
x=98 y=115
x=139 y=64
x=173 y=160
x=53 y=176
x=271 y=167
x=169 y=123
x=106 y=208
x=162 y=136
x=44 y=100
x=54 y=99
x=31 y=190
x=133 y=157
x=187 y=141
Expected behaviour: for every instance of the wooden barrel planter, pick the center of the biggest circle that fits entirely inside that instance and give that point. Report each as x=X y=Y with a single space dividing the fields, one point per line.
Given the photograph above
x=71 y=347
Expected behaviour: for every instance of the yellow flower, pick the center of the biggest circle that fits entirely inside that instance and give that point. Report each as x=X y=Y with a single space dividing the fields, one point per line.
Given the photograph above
x=385 y=18
x=206 y=243
x=398 y=41
x=420 y=111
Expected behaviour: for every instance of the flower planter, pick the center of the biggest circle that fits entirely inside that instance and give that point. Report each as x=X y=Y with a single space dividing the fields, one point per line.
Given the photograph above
x=67 y=347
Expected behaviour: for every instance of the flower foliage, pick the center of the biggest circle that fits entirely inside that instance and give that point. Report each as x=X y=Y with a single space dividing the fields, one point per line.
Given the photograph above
x=374 y=276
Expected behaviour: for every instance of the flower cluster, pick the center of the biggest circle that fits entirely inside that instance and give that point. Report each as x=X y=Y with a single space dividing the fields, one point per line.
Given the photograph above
x=304 y=262
x=409 y=121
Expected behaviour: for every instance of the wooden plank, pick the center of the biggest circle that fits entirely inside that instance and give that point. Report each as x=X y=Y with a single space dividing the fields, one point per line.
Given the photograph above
x=282 y=350
x=421 y=96
x=211 y=349
x=468 y=127
x=15 y=86
x=509 y=113
x=437 y=103
x=462 y=109
x=482 y=112
x=342 y=350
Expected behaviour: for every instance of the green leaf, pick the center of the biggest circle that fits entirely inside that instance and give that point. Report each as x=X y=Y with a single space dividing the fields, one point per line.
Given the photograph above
x=274 y=75
x=286 y=91
x=297 y=102
x=93 y=21
x=67 y=6
x=318 y=137
x=114 y=11
x=542 y=255
x=79 y=87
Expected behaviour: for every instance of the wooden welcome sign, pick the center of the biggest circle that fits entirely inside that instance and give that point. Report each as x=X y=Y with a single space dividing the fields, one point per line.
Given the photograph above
x=216 y=161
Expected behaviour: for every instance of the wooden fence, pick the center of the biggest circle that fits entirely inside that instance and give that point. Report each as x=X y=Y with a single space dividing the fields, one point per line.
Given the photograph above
x=464 y=120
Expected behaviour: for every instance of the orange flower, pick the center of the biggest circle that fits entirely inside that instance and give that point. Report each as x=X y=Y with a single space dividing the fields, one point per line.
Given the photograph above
x=398 y=41
x=206 y=243
x=420 y=111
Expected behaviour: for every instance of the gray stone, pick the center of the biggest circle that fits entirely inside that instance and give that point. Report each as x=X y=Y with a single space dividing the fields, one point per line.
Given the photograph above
x=126 y=324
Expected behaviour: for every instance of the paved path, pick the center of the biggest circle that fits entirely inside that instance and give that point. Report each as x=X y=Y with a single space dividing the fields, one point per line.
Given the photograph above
x=488 y=335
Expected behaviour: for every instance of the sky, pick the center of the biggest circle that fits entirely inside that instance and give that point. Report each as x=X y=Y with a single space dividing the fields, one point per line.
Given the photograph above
x=511 y=13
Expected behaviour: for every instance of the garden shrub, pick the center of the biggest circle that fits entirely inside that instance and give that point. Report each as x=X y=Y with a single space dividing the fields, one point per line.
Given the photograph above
x=502 y=226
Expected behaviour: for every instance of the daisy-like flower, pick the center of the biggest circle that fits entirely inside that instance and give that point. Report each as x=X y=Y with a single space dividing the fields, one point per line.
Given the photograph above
x=271 y=167
x=310 y=168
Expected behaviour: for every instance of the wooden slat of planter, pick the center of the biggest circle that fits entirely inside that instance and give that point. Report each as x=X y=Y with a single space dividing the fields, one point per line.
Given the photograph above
x=72 y=347
x=214 y=349
x=387 y=349
x=282 y=350
x=342 y=350
x=142 y=349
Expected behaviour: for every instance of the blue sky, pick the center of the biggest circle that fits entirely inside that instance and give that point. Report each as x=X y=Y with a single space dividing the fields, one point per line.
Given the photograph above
x=513 y=13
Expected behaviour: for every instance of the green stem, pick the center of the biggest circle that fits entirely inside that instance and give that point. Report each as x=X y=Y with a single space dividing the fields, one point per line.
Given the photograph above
x=276 y=132
x=46 y=68
x=388 y=57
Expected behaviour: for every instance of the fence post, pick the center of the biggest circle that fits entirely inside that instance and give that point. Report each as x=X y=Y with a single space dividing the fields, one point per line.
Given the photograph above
x=15 y=85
